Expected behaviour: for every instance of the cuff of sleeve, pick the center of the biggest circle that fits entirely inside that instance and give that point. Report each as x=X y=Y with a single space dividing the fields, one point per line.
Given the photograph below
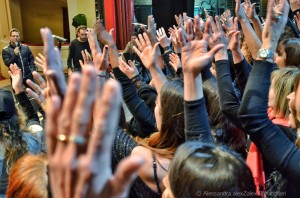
x=263 y=66
x=21 y=96
x=239 y=64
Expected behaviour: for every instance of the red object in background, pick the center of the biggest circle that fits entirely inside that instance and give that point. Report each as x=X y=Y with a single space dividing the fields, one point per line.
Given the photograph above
x=110 y=16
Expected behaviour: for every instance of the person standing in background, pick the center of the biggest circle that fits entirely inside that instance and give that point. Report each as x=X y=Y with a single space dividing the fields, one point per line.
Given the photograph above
x=20 y=54
x=76 y=46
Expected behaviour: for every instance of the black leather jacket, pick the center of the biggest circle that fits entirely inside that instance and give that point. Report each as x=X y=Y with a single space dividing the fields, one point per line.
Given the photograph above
x=26 y=64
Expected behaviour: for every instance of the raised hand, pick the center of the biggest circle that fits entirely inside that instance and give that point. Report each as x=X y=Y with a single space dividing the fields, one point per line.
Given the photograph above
x=76 y=149
x=149 y=54
x=195 y=56
x=174 y=39
x=239 y=11
x=100 y=60
x=87 y=59
x=103 y=35
x=16 y=78
x=277 y=15
x=297 y=20
x=234 y=44
x=40 y=92
x=295 y=5
x=162 y=38
x=175 y=61
x=129 y=70
x=151 y=31
x=250 y=10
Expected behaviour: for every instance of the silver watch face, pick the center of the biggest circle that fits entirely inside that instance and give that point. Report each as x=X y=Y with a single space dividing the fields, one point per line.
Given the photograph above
x=263 y=54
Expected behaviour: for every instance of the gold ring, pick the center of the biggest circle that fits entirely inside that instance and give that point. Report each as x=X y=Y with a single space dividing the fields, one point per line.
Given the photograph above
x=78 y=139
x=62 y=137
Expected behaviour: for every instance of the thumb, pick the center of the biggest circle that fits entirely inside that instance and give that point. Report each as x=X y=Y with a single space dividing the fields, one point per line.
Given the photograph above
x=112 y=31
x=253 y=7
x=125 y=174
x=215 y=49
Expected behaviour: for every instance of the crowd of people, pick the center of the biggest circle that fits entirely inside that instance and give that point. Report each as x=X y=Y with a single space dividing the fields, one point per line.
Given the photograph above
x=219 y=118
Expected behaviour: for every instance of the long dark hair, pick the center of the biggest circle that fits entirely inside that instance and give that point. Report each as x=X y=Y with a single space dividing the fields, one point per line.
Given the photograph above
x=171 y=134
x=11 y=138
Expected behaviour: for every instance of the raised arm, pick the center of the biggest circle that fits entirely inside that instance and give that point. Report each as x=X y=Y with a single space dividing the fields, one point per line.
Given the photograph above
x=194 y=59
x=149 y=57
x=253 y=41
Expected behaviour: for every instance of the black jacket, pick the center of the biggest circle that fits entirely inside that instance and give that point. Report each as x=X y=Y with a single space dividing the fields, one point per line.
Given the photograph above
x=9 y=57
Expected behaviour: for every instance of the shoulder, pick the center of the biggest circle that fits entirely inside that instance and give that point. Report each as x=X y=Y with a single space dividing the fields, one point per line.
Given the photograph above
x=6 y=48
x=141 y=151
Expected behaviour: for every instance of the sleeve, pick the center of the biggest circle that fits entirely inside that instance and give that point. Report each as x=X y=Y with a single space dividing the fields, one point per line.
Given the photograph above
x=27 y=108
x=122 y=146
x=31 y=60
x=229 y=102
x=166 y=58
x=140 y=111
x=271 y=141
x=196 y=121
x=70 y=57
x=127 y=48
x=206 y=73
x=7 y=59
x=242 y=70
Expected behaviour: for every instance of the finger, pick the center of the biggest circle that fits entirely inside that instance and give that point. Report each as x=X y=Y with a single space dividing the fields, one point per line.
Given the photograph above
x=83 y=108
x=84 y=56
x=189 y=27
x=248 y=3
x=213 y=26
x=253 y=7
x=111 y=32
x=218 y=23
x=48 y=48
x=51 y=124
x=39 y=79
x=105 y=53
x=207 y=30
x=181 y=38
x=142 y=41
x=163 y=31
x=235 y=24
x=137 y=42
x=37 y=89
x=147 y=40
x=137 y=51
x=81 y=64
x=11 y=75
x=131 y=64
x=215 y=49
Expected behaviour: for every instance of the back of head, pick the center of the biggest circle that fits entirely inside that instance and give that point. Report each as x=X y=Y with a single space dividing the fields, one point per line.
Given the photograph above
x=7 y=104
x=292 y=50
x=28 y=178
x=223 y=130
x=206 y=170
x=171 y=134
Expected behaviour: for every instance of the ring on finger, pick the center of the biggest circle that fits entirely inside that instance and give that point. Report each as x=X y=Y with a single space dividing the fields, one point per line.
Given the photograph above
x=78 y=139
x=62 y=137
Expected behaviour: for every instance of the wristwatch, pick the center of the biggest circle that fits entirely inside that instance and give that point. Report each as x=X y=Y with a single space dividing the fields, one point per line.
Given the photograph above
x=265 y=54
